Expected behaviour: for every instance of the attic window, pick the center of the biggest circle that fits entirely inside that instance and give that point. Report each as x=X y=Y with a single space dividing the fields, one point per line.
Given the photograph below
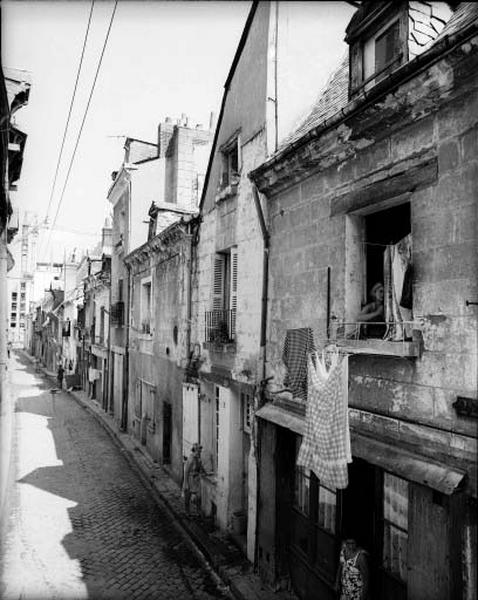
x=382 y=53
x=231 y=163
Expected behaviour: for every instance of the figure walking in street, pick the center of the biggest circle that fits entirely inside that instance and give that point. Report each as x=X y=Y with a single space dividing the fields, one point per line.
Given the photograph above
x=9 y=348
x=192 y=480
x=59 y=376
x=352 y=576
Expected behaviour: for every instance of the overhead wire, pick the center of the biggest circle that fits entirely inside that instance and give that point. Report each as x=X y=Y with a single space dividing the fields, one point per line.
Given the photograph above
x=72 y=101
x=105 y=43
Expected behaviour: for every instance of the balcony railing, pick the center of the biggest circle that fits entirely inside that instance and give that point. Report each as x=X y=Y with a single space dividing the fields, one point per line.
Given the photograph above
x=220 y=326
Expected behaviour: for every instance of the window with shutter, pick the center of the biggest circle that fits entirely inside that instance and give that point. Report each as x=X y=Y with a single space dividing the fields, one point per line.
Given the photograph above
x=221 y=320
x=233 y=295
x=218 y=282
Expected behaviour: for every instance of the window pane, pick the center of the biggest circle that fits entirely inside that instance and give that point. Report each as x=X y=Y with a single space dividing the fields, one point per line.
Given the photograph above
x=395 y=500
x=327 y=507
x=386 y=47
x=302 y=490
x=395 y=550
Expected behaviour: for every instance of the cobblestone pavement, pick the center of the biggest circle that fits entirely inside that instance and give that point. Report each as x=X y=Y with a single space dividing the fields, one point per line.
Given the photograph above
x=80 y=523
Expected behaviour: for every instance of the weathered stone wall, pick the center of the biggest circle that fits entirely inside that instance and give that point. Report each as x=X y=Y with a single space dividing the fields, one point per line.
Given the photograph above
x=421 y=140
x=160 y=357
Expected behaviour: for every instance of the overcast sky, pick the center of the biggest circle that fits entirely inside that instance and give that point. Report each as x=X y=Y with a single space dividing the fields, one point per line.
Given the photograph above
x=162 y=59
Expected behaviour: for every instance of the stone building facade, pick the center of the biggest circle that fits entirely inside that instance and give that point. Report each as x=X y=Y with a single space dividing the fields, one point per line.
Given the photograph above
x=379 y=158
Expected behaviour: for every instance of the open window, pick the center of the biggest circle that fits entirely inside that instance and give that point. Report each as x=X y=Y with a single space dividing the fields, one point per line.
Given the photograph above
x=379 y=301
x=231 y=162
x=145 y=305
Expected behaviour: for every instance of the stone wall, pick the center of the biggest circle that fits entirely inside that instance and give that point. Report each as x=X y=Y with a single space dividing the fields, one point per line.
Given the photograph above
x=417 y=143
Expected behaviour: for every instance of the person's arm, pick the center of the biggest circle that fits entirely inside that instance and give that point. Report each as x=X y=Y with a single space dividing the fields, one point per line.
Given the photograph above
x=370 y=313
x=362 y=566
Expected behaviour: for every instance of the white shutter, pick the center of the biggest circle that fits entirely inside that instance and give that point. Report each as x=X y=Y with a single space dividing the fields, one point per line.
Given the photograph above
x=233 y=294
x=190 y=417
x=218 y=282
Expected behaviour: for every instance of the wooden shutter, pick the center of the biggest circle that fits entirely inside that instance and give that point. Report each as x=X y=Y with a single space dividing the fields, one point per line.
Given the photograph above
x=233 y=294
x=218 y=282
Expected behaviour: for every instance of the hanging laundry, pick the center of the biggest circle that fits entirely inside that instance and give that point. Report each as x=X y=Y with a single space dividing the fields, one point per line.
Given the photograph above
x=396 y=264
x=325 y=447
x=299 y=343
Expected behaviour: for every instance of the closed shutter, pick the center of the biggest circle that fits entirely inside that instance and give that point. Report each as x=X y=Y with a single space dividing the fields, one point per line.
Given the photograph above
x=233 y=304
x=218 y=283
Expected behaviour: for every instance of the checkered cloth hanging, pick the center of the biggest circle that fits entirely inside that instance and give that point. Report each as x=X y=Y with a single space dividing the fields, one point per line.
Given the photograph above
x=325 y=447
x=299 y=343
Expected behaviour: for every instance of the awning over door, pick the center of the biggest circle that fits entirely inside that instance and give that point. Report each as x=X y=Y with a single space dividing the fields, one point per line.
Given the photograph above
x=394 y=459
x=282 y=417
x=414 y=467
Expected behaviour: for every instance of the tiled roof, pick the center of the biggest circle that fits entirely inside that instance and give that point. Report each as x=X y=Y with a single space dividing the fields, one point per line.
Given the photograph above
x=335 y=94
x=330 y=101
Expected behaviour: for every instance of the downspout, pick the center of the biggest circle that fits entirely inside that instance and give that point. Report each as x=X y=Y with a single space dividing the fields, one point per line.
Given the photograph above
x=263 y=354
x=124 y=409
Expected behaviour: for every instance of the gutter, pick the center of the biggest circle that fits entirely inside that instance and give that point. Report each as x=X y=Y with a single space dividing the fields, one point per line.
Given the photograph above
x=410 y=70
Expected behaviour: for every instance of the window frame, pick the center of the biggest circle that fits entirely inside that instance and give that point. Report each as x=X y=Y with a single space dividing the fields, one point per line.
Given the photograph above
x=229 y=176
x=383 y=520
x=146 y=321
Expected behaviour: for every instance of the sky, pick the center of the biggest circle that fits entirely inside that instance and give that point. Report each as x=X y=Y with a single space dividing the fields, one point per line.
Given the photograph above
x=162 y=59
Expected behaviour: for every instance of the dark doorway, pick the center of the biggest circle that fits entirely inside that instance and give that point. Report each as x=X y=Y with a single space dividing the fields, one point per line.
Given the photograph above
x=359 y=509
x=167 y=432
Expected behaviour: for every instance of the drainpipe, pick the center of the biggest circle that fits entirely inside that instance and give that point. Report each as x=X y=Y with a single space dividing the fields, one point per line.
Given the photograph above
x=124 y=410
x=263 y=353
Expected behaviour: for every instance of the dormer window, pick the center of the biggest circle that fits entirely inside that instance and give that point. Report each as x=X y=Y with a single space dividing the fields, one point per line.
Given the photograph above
x=382 y=52
x=385 y=35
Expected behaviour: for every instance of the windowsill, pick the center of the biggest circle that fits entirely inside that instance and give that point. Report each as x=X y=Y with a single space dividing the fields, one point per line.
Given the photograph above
x=220 y=347
x=144 y=336
x=227 y=192
x=408 y=349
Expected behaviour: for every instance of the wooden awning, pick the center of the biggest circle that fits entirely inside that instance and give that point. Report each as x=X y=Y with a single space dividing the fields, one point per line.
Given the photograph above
x=384 y=454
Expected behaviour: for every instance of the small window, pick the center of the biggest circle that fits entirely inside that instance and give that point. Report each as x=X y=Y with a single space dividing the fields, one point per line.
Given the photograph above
x=302 y=490
x=326 y=515
x=386 y=49
x=146 y=306
x=395 y=525
x=231 y=163
x=14 y=296
x=23 y=285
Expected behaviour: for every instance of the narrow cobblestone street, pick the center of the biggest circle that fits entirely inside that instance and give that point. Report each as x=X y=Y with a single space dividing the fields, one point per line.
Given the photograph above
x=78 y=522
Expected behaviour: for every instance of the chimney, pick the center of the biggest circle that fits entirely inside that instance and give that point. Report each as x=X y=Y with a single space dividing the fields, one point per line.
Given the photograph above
x=165 y=133
x=106 y=238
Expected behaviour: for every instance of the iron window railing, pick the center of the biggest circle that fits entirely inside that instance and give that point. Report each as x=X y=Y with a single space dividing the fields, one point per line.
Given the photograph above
x=220 y=326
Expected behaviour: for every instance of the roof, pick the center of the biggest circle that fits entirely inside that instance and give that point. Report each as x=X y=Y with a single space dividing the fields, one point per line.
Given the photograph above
x=334 y=96
x=16 y=82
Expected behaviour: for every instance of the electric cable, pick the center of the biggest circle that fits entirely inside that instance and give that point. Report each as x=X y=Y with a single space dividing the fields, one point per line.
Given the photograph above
x=72 y=101
x=83 y=121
